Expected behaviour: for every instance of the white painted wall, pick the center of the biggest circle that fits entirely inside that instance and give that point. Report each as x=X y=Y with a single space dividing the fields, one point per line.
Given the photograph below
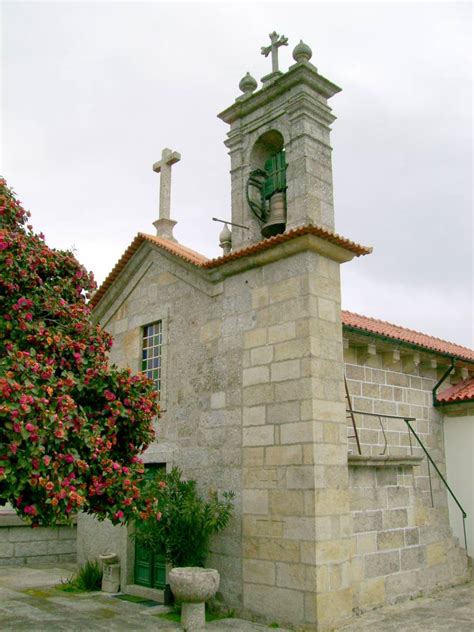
x=459 y=438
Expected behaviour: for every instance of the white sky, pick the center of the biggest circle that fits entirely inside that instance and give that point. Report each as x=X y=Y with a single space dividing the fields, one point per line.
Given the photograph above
x=92 y=92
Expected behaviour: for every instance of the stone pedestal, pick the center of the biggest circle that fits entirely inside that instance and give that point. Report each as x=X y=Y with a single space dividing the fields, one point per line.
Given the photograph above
x=110 y=573
x=193 y=586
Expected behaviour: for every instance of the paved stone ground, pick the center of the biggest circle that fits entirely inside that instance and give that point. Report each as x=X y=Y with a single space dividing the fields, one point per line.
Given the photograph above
x=30 y=601
x=443 y=611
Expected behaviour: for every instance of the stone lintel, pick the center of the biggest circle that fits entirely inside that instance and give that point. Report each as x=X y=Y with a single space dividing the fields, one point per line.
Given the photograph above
x=358 y=460
x=299 y=74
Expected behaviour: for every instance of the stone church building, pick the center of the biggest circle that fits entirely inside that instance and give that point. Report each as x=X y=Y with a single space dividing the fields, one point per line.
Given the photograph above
x=319 y=420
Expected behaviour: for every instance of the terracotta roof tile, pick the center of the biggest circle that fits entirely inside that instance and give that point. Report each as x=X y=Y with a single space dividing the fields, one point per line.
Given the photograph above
x=176 y=249
x=191 y=256
x=461 y=392
x=327 y=235
x=402 y=334
x=349 y=319
x=165 y=244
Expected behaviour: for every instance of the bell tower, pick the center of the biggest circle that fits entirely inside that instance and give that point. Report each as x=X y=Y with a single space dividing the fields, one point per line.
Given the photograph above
x=280 y=149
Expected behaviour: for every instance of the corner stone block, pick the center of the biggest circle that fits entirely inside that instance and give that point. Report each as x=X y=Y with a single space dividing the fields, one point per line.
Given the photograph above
x=284 y=455
x=286 y=503
x=296 y=576
x=259 y=572
x=274 y=603
x=258 y=436
x=333 y=608
x=329 y=502
x=255 y=501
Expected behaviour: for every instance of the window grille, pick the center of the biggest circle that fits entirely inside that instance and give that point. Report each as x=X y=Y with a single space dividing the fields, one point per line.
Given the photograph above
x=151 y=353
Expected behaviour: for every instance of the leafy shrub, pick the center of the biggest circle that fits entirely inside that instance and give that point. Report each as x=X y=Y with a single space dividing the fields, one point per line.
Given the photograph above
x=87 y=578
x=185 y=522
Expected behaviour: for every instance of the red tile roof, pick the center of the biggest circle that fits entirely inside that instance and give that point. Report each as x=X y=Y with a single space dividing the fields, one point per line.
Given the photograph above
x=327 y=235
x=165 y=244
x=464 y=391
x=402 y=334
x=349 y=319
x=197 y=259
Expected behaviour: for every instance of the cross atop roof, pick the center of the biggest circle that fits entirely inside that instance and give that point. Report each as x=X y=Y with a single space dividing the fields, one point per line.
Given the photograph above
x=164 y=224
x=276 y=41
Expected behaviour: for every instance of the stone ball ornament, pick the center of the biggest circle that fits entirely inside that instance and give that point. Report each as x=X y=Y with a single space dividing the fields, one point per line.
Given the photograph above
x=302 y=52
x=225 y=235
x=248 y=84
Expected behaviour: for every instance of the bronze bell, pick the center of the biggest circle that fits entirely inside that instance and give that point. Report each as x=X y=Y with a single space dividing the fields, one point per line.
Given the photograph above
x=276 y=220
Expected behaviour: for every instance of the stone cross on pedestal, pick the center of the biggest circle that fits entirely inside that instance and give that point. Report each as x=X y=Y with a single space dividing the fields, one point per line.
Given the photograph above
x=276 y=41
x=164 y=224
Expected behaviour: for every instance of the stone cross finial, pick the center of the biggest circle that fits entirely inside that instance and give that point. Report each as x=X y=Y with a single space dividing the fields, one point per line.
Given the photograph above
x=164 y=225
x=276 y=41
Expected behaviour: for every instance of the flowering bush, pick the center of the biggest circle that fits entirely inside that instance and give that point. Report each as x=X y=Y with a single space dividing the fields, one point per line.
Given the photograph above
x=71 y=426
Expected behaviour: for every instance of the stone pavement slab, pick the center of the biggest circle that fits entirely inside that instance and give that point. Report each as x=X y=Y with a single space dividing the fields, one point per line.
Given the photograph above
x=30 y=601
x=443 y=611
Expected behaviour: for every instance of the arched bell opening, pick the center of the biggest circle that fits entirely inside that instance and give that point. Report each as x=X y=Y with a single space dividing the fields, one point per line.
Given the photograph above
x=266 y=184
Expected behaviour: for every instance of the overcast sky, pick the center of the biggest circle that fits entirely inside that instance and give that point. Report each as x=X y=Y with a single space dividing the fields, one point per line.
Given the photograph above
x=92 y=92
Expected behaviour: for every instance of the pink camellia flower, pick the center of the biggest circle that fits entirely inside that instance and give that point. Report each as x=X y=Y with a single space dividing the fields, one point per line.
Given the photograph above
x=116 y=466
x=29 y=316
x=125 y=469
x=35 y=463
x=109 y=396
x=30 y=427
x=31 y=510
x=46 y=460
x=119 y=514
x=17 y=426
x=69 y=458
x=13 y=447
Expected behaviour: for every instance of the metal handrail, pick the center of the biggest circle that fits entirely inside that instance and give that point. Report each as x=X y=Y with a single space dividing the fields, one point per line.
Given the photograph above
x=428 y=456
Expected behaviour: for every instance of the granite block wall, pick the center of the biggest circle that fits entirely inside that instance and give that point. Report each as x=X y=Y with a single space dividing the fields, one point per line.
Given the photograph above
x=20 y=544
x=401 y=547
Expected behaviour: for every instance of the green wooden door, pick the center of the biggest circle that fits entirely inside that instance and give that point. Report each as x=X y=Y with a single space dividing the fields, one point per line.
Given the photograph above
x=150 y=568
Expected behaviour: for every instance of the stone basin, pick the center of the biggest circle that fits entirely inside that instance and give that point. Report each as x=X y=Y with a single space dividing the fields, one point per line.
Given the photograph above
x=109 y=558
x=193 y=584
